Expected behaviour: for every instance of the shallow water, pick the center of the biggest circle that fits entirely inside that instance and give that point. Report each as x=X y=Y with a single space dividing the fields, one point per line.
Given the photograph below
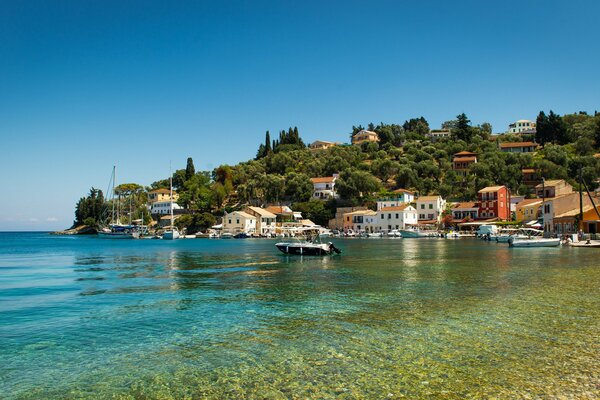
x=82 y=317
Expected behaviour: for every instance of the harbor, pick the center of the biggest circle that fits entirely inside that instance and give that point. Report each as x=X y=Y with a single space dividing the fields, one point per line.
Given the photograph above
x=388 y=318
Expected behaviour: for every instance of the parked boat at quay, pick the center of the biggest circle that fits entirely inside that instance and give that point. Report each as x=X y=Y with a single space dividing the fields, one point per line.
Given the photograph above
x=533 y=238
x=418 y=233
x=115 y=229
x=172 y=232
x=308 y=244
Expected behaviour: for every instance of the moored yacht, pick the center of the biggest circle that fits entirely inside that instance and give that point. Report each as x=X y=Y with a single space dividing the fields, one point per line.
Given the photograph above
x=310 y=245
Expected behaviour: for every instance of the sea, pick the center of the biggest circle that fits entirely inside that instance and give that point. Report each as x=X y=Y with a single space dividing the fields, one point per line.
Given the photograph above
x=89 y=318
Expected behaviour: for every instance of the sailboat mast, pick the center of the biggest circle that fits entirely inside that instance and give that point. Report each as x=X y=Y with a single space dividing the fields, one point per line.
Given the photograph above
x=171 y=193
x=112 y=216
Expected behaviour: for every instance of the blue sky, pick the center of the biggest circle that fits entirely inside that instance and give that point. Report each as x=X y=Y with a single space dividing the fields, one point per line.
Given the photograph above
x=85 y=85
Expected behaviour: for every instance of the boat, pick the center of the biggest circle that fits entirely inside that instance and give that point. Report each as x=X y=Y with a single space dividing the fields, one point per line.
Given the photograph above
x=587 y=243
x=311 y=245
x=533 y=238
x=226 y=235
x=374 y=234
x=171 y=233
x=241 y=235
x=417 y=233
x=504 y=235
x=394 y=233
x=115 y=229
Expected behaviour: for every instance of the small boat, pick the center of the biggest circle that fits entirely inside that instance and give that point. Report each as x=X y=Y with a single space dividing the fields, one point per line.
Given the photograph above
x=417 y=233
x=241 y=235
x=534 y=242
x=226 y=235
x=394 y=233
x=453 y=235
x=587 y=243
x=310 y=246
x=117 y=231
x=171 y=234
x=375 y=234
x=504 y=235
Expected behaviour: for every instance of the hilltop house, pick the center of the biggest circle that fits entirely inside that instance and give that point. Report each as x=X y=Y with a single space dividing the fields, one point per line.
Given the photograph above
x=265 y=220
x=430 y=208
x=164 y=207
x=324 y=187
x=518 y=147
x=522 y=126
x=321 y=145
x=439 y=134
x=364 y=136
x=530 y=177
x=239 y=221
x=397 y=198
x=462 y=161
x=494 y=202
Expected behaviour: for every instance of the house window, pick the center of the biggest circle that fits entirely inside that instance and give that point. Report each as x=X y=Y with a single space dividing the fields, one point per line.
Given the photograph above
x=422 y=206
x=389 y=216
x=431 y=206
x=230 y=220
x=237 y=221
x=396 y=216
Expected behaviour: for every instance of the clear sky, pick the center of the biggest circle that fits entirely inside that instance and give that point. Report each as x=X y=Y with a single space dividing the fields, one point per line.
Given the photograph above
x=85 y=85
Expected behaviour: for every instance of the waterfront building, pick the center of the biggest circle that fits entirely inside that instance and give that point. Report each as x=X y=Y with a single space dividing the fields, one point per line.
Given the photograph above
x=462 y=162
x=324 y=187
x=430 y=208
x=284 y=213
x=465 y=210
x=239 y=221
x=337 y=222
x=553 y=188
x=494 y=202
x=321 y=145
x=161 y=195
x=164 y=207
x=566 y=223
x=396 y=217
x=364 y=136
x=529 y=210
x=397 y=197
x=518 y=147
x=561 y=205
x=522 y=126
x=265 y=220
x=165 y=220
x=360 y=221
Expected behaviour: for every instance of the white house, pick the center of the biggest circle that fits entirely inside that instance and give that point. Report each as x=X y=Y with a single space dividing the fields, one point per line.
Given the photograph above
x=239 y=221
x=265 y=220
x=396 y=217
x=324 y=187
x=360 y=221
x=163 y=207
x=521 y=126
x=397 y=198
x=430 y=208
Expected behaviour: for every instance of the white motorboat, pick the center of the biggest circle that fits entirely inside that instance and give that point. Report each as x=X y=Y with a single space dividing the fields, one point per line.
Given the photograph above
x=417 y=233
x=171 y=234
x=534 y=242
x=226 y=235
x=375 y=234
x=310 y=245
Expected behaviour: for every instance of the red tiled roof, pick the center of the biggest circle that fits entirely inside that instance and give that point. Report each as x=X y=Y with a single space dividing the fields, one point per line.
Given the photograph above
x=327 y=179
x=465 y=153
x=403 y=191
x=395 y=208
x=528 y=170
x=467 y=204
x=462 y=159
x=510 y=145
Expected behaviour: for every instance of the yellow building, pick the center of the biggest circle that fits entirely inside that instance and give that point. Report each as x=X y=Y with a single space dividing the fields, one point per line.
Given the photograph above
x=529 y=209
x=321 y=145
x=161 y=195
x=365 y=136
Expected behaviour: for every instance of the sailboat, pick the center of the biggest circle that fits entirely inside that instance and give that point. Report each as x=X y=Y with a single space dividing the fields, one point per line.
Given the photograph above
x=115 y=229
x=171 y=233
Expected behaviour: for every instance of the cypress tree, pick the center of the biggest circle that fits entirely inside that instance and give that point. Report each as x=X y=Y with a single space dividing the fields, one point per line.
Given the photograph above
x=541 y=128
x=189 y=169
x=268 y=148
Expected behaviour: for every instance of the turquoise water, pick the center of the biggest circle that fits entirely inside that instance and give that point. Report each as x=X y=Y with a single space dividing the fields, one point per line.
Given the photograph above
x=82 y=317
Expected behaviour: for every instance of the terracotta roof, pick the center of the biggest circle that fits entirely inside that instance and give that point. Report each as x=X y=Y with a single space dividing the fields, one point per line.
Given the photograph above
x=528 y=170
x=327 y=179
x=467 y=204
x=465 y=153
x=528 y=202
x=551 y=182
x=403 y=191
x=490 y=189
x=278 y=210
x=461 y=159
x=362 y=212
x=510 y=145
x=262 y=212
x=574 y=212
x=428 y=198
x=243 y=214
x=396 y=208
x=164 y=191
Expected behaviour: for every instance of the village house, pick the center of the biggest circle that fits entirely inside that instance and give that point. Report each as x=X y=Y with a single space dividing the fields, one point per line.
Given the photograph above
x=164 y=207
x=531 y=177
x=522 y=126
x=465 y=210
x=321 y=145
x=284 y=213
x=553 y=188
x=360 y=221
x=324 y=187
x=239 y=221
x=494 y=202
x=337 y=222
x=439 y=134
x=518 y=147
x=566 y=223
x=265 y=220
x=396 y=198
x=165 y=220
x=364 y=136
x=396 y=217
x=161 y=195
x=529 y=210
x=462 y=162
x=560 y=205
x=430 y=208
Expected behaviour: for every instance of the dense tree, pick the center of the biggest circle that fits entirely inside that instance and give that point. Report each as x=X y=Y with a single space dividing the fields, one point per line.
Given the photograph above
x=463 y=130
x=91 y=210
x=416 y=125
x=298 y=187
x=190 y=171
x=318 y=211
x=354 y=184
